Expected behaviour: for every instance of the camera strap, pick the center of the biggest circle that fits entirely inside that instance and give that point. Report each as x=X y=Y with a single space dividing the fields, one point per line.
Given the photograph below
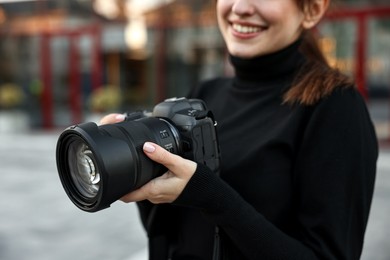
x=204 y=114
x=217 y=245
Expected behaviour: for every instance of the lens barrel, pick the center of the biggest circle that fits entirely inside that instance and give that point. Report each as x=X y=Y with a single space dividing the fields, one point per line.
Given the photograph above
x=97 y=165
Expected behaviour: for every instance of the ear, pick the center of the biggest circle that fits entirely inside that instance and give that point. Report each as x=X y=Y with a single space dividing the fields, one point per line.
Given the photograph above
x=313 y=12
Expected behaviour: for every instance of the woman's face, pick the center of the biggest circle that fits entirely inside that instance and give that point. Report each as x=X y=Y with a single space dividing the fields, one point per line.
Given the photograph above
x=257 y=27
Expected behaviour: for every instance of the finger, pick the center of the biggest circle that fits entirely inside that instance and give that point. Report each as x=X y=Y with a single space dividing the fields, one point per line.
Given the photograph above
x=173 y=162
x=152 y=191
x=112 y=119
x=137 y=195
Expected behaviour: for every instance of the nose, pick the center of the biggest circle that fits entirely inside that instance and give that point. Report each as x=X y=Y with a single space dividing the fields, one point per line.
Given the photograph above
x=243 y=7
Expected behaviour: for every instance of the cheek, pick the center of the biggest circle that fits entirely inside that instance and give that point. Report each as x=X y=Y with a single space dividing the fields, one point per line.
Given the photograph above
x=222 y=10
x=295 y=26
x=290 y=24
x=222 y=7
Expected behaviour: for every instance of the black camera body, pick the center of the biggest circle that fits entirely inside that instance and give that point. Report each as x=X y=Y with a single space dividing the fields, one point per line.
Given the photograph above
x=99 y=164
x=196 y=125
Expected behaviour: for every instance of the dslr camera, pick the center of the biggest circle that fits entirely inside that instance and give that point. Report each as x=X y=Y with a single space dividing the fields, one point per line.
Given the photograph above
x=97 y=165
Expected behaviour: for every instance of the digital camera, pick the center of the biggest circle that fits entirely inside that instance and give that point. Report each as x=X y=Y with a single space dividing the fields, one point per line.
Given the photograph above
x=97 y=165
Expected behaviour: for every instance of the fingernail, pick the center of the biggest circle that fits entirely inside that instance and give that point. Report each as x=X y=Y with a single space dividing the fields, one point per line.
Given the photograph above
x=120 y=117
x=149 y=148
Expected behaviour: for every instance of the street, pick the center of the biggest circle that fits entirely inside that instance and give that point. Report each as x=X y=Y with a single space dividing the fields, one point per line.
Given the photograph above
x=38 y=221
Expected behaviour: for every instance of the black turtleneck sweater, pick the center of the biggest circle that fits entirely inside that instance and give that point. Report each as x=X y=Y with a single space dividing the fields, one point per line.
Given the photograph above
x=296 y=181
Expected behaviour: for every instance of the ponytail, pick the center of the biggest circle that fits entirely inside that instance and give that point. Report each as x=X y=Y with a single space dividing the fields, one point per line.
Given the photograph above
x=316 y=78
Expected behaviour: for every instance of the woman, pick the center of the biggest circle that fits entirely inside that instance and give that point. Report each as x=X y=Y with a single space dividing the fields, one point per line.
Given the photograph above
x=298 y=151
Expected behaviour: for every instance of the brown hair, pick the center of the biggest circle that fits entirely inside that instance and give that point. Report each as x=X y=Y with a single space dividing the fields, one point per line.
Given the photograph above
x=316 y=78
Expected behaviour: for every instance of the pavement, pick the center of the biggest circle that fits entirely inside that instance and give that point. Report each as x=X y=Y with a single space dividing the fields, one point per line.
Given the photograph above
x=38 y=221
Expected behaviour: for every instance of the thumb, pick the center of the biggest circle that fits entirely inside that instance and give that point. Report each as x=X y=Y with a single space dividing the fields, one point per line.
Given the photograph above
x=174 y=163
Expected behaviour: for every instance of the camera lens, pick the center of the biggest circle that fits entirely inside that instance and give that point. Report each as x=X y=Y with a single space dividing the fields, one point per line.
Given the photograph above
x=84 y=171
x=97 y=165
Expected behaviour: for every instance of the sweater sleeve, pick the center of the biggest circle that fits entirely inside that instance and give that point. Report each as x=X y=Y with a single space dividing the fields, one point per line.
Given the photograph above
x=248 y=229
x=335 y=175
x=333 y=184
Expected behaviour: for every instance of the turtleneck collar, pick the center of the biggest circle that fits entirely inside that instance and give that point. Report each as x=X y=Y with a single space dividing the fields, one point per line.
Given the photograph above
x=270 y=67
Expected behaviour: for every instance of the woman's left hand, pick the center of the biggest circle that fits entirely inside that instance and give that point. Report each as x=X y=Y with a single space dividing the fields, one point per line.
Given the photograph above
x=168 y=187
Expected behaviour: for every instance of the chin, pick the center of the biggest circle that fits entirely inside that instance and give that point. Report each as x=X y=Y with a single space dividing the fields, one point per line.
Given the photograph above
x=246 y=51
x=244 y=54
x=240 y=52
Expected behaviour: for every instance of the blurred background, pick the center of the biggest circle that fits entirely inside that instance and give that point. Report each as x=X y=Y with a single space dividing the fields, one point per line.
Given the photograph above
x=68 y=61
x=65 y=60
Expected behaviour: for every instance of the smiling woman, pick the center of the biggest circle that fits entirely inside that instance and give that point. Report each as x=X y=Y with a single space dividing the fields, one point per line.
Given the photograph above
x=307 y=151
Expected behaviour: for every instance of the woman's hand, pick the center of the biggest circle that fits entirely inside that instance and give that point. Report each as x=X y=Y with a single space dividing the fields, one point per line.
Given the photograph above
x=112 y=119
x=166 y=188
x=169 y=186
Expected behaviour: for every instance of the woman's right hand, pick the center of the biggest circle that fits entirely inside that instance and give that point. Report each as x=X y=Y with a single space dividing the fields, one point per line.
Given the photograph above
x=112 y=119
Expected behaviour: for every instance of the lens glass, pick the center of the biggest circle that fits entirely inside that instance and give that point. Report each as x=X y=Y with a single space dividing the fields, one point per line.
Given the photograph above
x=83 y=169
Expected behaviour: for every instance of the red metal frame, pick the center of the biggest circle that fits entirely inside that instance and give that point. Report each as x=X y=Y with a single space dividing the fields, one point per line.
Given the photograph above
x=361 y=16
x=74 y=71
x=378 y=11
x=46 y=77
x=74 y=79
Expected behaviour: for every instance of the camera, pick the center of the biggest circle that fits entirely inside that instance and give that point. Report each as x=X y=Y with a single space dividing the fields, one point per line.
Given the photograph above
x=97 y=165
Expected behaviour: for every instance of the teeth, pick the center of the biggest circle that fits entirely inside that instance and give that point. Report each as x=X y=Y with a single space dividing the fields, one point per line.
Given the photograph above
x=245 y=29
